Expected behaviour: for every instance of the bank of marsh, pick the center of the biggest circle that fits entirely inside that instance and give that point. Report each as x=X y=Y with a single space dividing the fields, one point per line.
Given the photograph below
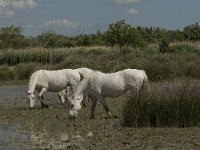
x=51 y=128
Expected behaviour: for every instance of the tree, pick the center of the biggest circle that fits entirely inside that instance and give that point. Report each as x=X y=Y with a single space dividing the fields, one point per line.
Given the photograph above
x=11 y=37
x=192 y=32
x=51 y=39
x=121 y=34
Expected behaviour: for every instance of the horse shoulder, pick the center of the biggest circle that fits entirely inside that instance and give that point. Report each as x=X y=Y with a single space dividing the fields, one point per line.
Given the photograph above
x=42 y=77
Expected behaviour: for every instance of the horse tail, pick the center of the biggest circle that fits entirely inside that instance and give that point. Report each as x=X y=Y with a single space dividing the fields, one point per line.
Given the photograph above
x=145 y=84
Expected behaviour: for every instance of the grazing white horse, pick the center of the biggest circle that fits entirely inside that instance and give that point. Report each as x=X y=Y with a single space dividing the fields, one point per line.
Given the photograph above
x=63 y=95
x=100 y=85
x=52 y=81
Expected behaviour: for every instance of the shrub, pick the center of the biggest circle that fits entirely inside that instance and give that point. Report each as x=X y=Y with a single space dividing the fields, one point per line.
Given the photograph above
x=6 y=73
x=24 y=70
x=164 y=46
x=121 y=34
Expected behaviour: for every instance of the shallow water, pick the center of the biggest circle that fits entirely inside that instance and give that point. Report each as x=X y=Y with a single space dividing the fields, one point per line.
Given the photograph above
x=10 y=91
x=12 y=136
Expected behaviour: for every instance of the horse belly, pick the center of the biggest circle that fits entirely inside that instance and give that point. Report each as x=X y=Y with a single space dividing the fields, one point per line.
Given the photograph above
x=56 y=87
x=110 y=92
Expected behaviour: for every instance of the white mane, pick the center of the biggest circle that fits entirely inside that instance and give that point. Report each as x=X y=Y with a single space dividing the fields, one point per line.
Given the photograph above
x=32 y=81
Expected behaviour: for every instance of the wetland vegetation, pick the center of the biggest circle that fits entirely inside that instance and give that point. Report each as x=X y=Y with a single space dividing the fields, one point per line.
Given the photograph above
x=165 y=117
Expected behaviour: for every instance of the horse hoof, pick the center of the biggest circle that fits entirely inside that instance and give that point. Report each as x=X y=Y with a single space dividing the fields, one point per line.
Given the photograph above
x=45 y=106
x=109 y=115
x=92 y=117
x=72 y=117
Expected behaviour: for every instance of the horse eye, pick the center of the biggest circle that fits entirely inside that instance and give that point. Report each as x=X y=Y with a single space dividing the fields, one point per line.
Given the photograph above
x=72 y=105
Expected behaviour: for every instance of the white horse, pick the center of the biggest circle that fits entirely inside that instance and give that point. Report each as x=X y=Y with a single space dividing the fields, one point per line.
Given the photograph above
x=52 y=81
x=100 y=85
x=63 y=95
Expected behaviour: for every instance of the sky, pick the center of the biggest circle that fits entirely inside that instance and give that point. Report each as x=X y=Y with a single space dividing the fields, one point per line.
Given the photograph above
x=74 y=17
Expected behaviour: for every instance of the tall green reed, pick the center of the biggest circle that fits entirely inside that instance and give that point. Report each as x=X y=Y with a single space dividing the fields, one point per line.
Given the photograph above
x=175 y=105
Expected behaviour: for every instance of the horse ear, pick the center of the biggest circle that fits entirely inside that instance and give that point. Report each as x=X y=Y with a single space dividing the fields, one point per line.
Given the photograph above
x=81 y=76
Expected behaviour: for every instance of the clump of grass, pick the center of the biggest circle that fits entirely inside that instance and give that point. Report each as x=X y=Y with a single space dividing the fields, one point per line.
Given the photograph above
x=23 y=71
x=14 y=57
x=169 y=106
x=6 y=73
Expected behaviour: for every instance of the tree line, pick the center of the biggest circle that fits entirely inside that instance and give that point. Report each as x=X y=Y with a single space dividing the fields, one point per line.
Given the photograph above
x=119 y=33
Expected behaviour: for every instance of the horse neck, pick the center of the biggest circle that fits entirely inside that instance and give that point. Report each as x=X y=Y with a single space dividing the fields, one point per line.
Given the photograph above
x=32 y=82
x=82 y=87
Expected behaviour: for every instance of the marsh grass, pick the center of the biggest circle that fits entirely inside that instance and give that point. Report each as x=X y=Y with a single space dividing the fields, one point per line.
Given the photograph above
x=170 y=106
x=14 y=57
x=51 y=128
x=182 y=62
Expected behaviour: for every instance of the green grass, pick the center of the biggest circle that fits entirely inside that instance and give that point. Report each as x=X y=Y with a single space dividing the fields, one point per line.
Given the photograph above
x=176 y=105
x=183 y=62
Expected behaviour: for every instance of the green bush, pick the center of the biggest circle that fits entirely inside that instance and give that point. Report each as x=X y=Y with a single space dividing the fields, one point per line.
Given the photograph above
x=6 y=73
x=164 y=47
x=23 y=71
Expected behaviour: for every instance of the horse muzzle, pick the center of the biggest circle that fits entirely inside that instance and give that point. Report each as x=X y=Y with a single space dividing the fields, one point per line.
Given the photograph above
x=72 y=117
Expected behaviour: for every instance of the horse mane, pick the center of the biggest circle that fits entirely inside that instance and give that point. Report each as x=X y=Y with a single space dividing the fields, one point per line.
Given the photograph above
x=83 y=85
x=32 y=81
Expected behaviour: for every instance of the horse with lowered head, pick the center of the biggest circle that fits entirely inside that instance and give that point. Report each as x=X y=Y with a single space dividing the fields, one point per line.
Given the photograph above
x=52 y=81
x=63 y=95
x=101 y=85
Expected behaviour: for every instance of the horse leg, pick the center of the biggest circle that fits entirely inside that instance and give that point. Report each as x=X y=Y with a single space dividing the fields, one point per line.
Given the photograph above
x=94 y=103
x=43 y=104
x=105 y=106
x=84 y=104
x=41 y=98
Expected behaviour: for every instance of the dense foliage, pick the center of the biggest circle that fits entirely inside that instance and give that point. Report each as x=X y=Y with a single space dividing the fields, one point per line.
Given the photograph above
x=118 y=33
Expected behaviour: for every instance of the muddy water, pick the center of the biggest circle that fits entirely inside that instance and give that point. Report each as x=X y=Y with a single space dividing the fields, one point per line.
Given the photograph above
x=16 y=95
x=11 y=135
x=10 y=91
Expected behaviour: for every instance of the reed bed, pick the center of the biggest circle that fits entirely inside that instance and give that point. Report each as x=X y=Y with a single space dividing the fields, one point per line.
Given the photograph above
x=183 y=62
x=175 y=105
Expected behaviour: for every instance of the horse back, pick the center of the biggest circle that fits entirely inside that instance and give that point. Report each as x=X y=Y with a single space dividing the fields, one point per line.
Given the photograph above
x=58 y=79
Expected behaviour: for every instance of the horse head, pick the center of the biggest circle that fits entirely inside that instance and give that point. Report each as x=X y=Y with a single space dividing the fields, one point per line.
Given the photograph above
x=31 y=98
x=75 y=105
